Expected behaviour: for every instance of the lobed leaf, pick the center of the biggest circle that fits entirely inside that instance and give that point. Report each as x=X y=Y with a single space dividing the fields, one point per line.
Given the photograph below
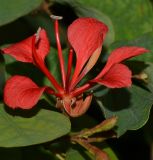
x=130 y=19
x=17 y=131
x=131 y=106
x=11 y=10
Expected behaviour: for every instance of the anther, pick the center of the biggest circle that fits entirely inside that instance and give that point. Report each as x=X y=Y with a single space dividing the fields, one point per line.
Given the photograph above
x=37 y=34
x=56 y=17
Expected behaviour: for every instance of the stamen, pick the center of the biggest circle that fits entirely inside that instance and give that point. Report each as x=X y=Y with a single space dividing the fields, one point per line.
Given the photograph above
x=43 y=68
x=90 y=63
x=81 y=89
x=60 y=54
x=37 y=35
x=51 y=91
x=69 y=68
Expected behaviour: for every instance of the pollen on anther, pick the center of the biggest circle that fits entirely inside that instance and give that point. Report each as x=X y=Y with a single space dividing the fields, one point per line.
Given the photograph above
x=56 y=17
x=38 y=34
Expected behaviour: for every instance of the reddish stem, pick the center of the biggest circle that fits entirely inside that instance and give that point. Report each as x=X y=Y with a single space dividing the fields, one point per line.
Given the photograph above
x=69 y=68
x=39 y=62
x=60 y=55
x=99 y=154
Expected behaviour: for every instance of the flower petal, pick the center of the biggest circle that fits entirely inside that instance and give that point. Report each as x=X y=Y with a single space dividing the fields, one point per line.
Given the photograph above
x=86 y=36
x=22 y=51
x=117 y=77
x=79 y=106
x=43 y=44
x=119 y=55
x=21 y=92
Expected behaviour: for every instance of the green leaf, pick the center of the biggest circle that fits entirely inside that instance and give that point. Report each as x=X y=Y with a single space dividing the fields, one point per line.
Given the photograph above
x=145 y=41
x=131 y=106
x=130 y=18
x=42 y=127
x=11 y=10
x=143 y=73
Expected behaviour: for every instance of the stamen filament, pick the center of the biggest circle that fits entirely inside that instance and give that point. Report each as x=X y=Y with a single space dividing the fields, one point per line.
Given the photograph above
x=39 y=62
x=50 y=91
x=60 y=55
x=69 y=68
x=78 y=80
x=74 y=77
x=81 y=89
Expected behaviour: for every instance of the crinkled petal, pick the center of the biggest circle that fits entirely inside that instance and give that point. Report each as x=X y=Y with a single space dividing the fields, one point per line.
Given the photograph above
x=117 y=77
x=119 y=55
x=86 y=35
x=79 y=107
x=22 y=92
x=22 y=51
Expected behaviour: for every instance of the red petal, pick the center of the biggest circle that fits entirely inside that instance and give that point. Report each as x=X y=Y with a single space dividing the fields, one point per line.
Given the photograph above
x=121 y=54
x=79 y=107
x=117 y=77
x=43 y=45
x=85 y=35
x=22 y=51
x=21 y=92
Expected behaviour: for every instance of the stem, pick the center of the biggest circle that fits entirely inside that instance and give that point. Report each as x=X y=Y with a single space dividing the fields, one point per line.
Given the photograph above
x=97 y=139
x=59 y=156
x=89 y=140
x=60 y=55
x=104 y=126
x=69 y=68
x=99 y=154
x=43 y=68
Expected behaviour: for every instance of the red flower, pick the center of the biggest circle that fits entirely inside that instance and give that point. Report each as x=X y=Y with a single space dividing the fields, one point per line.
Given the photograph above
x=86 y=37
